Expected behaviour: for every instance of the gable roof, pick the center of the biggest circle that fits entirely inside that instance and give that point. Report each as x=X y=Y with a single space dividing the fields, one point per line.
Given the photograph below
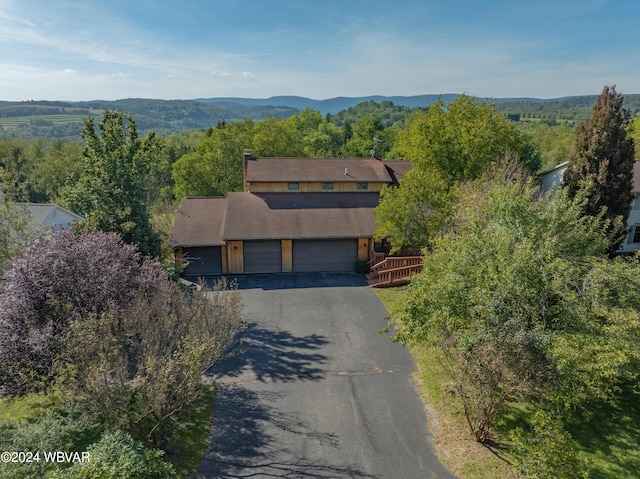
x=199 y=222
x=50 y=214
x=326 y=170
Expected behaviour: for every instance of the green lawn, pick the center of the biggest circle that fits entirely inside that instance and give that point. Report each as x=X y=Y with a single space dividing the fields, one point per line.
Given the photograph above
x=14 y=121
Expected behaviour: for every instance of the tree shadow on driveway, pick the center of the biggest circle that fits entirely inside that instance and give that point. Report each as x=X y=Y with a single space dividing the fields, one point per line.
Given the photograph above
x=274 y=356
x=243 y=440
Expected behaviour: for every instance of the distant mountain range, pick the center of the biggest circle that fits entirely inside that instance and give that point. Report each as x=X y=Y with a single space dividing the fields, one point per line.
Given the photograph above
x=56 y=119
x=335 y=105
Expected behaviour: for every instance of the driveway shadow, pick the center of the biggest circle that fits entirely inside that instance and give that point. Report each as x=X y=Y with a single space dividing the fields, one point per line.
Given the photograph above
x=274 y=356
x=243 y=440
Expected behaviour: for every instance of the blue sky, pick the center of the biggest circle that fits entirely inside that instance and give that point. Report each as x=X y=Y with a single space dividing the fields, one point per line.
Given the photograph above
x=111 y=49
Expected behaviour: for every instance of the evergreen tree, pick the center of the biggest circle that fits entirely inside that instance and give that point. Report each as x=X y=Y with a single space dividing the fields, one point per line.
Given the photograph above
x=602 y=167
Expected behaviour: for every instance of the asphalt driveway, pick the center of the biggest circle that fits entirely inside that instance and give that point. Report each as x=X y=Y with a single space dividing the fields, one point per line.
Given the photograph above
x=317 y=392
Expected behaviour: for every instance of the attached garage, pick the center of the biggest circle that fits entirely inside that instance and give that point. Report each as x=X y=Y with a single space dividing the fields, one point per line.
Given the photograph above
x=325 y=255
x=203 y=261
x=262 y=256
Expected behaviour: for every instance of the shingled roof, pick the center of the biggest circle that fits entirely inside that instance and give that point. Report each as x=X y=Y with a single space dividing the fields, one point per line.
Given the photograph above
x=332 y=170
x=250 y=216
x=199 y=222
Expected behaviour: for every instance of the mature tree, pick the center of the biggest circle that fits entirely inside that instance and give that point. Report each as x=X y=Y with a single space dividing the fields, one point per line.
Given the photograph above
x=519 y=299
x=412 y=213
x=113 y=331
x=56 y=280
x=110 y=191
x=603 y=163
x=461 y=139
x=451 y=143
x=215 y=167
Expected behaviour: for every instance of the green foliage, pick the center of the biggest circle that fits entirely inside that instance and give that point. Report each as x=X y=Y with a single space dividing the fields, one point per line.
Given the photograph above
x=52 y=431
x=602 y=168
x=461 y=139
x=547 y=451
x=412 y=213
x=110 y=191
x=140 y=367
x=492 y=294
x=118 y=456
x=215 y=167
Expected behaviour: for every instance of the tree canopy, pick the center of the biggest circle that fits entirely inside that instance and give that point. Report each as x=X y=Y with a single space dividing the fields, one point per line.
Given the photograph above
x=110 y=191
x=602 y=167
x=521 y=302
x=448 y=144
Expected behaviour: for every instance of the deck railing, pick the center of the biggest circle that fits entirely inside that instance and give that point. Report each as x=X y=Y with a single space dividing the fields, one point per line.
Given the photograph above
x=393 y=271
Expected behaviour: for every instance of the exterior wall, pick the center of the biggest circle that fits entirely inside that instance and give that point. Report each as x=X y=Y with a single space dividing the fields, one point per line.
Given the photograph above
x=364 y=247
x=628 y=246
x=287 y=256
x=310 y=187
x=225 y=259
x=235 y=254
x=551 y=180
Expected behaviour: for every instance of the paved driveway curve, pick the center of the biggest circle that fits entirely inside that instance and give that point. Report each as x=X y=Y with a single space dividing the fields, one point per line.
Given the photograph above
x=317 y=392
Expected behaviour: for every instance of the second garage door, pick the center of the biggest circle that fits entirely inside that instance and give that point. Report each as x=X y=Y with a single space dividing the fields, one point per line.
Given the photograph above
x=262 y=257
x=337 y=255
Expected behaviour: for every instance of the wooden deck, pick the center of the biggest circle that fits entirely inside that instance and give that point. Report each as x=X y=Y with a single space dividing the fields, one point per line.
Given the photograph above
x=394 y=271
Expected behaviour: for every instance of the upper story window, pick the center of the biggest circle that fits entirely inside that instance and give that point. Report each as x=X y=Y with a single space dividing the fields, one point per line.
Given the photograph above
x=327 y=186
x=293 y=186
x=362 y=186
x=636 y=234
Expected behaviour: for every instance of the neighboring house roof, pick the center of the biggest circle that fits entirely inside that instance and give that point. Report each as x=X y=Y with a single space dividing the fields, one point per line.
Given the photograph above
x=52 y=215
x=199 y=222
x=551 y=178
x=317 y=170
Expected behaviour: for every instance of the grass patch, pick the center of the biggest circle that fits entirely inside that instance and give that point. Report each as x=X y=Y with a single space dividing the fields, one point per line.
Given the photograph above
x=28 y=407
x=189 y=445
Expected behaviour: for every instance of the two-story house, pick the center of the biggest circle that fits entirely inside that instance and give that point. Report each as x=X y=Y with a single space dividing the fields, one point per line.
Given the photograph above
x=294 y=215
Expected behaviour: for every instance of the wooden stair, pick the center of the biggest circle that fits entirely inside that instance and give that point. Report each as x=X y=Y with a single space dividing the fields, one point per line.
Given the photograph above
x=394 y=271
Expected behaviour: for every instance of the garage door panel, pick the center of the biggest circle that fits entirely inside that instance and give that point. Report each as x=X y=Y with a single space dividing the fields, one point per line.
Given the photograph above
x=338 y=255
x=203 y=261
x=262 y=256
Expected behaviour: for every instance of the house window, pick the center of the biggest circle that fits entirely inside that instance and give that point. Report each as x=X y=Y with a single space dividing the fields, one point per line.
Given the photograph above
x=327 y=186
x=363 y=186
x=636 y=234
x=293 y=186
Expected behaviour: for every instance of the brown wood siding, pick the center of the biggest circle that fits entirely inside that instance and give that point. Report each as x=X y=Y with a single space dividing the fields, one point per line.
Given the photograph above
x=236 y=256
x=314 y=187
x=225 y=259
x=287 y=258
x=364 y=247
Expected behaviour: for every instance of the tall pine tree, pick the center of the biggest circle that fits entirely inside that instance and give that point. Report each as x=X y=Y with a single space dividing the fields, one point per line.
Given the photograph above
x=602 y=167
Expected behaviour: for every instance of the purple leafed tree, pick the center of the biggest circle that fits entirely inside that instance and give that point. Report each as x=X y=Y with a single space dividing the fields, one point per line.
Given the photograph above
x=59 y=279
